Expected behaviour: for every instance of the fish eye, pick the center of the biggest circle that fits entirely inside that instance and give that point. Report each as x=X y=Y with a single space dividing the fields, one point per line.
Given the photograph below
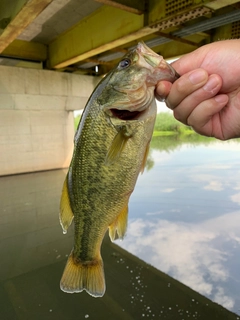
x=124 y=63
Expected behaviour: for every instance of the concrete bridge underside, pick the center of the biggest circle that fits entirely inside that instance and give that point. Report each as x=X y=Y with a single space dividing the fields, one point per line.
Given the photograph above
x=36 y=112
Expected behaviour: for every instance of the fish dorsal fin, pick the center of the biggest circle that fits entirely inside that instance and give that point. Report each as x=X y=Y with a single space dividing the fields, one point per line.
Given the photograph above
x=117 y=146
x=145 y=157
x=118 y=228
x=66 y=214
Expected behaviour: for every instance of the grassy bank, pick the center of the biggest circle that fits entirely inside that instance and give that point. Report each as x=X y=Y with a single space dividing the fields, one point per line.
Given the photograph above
x=166 y=125
x=76 y=121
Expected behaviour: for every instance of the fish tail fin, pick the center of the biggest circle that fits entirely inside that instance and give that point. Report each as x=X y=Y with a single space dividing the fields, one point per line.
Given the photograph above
x=79 y=276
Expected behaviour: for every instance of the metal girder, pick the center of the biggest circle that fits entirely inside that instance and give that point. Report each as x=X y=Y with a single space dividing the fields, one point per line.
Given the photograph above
x=21 y=20
x=172 y=50
x=134 y=6
x=178 y=39
x=117 y=25
x=26 y=50
x=217 y=4
x=108 y=28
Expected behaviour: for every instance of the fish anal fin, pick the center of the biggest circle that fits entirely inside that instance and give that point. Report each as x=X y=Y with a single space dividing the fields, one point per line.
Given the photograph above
x=79 y=276
x=119 y=227
x=117 y=146
x=66 y=214
x=145 y=157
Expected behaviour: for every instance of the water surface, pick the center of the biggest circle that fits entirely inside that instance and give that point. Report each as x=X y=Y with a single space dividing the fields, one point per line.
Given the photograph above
x=183 y=220
x=185 y=216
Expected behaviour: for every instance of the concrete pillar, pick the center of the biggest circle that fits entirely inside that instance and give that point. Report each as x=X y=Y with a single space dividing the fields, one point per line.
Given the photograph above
x=36 y=117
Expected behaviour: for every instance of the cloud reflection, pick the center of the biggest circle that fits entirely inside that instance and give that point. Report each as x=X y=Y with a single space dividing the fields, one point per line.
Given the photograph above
x=213 y=182
x=168 y=190
x=214 y=186
x=189 y=252
x=236 y=198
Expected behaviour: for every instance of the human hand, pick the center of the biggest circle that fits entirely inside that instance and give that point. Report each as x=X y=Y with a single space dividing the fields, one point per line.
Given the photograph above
x=207 y=95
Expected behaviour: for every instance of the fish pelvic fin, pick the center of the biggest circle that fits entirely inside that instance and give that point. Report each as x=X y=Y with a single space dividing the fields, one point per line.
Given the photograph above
x=79 y=276
x=118 y=228
x=117 y=146
x=66 y=214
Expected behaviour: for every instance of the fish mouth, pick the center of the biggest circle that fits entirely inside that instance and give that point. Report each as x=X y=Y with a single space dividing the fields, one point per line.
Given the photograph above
x=161 y=69
x=125 y=114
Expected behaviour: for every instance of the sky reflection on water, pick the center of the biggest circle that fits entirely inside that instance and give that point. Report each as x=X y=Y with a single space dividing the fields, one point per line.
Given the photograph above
x=184 y=218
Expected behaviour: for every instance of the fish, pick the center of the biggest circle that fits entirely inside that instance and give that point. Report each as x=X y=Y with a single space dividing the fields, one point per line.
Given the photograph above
x=111 y=145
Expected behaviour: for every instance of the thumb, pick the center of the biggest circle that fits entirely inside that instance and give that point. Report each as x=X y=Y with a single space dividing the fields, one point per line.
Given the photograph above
x=162 y=90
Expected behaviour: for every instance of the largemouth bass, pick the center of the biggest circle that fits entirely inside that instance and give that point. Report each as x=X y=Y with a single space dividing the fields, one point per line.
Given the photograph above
x=110 y=149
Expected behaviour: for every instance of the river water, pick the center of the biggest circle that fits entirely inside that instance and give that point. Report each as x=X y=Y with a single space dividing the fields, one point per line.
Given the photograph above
x=184 y=220
x=184 y=215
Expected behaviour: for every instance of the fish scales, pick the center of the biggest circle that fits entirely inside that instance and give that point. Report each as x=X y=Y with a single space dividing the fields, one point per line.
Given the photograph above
x=110 y=149
x=94 y=193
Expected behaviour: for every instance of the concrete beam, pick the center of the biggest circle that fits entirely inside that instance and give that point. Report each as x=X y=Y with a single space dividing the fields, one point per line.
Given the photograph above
x=105 y=29
x=30 y=10
x=36 y=115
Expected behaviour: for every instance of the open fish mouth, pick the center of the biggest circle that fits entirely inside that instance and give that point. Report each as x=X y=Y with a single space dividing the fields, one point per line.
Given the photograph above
x=125 y=114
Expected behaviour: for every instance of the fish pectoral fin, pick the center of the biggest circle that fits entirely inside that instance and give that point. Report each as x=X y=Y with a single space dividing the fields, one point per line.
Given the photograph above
x=145 y=157
x=79 y=276
x=117 y=146
x=119 y=227
x=66 y=214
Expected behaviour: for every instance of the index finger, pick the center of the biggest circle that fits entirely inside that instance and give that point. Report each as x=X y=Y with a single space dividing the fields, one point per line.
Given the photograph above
x=189 y=61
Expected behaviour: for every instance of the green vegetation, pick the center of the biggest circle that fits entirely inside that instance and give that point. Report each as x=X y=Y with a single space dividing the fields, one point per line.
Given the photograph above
x=167 y=125
x=76 y=121
x=175 y=141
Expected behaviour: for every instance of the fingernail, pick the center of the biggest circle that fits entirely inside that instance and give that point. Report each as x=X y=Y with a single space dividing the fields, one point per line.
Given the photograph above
x=197 y=76
x=211 y=84
x=222 y=98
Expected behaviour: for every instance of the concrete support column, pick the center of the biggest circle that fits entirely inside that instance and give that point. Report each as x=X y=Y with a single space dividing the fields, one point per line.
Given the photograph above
x=36 y=117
